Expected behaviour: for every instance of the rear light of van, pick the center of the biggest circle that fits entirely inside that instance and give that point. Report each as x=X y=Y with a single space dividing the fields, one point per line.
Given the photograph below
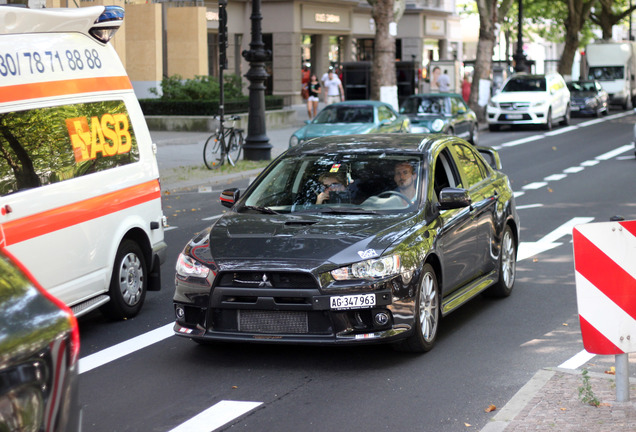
x=107 y=24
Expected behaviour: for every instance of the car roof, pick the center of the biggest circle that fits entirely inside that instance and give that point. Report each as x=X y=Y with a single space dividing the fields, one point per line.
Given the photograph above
x=359 y=102
x=389 y=142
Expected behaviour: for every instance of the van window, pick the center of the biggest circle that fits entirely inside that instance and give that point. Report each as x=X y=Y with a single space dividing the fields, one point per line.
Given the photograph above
x=47 y=145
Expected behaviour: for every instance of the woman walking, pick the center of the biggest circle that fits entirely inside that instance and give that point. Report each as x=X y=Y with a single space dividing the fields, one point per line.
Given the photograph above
x=312 y=100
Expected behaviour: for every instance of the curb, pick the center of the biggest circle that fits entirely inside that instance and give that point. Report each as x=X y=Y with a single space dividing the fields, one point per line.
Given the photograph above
x=519 y=401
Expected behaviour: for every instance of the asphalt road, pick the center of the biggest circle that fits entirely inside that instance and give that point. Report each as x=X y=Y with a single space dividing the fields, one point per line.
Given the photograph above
x=137 y=377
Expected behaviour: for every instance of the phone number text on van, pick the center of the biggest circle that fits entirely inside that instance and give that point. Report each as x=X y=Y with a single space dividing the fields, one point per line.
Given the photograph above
x=39 y=62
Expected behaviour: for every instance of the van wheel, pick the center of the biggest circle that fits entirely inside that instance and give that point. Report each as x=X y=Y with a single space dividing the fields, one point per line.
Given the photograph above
x=128 y=284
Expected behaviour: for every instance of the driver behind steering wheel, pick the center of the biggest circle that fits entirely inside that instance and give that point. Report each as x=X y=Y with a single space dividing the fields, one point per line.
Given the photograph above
x=405 y=178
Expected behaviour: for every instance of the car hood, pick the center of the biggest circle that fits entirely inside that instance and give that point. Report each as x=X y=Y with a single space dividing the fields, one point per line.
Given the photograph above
x=426 y=119
x=521 y=97
x=319 y=130
x=240 y=240
x=582 y=95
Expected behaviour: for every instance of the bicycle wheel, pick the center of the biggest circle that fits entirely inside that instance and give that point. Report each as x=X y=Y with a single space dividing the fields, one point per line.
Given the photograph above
x=212 y=154
x=235 y=146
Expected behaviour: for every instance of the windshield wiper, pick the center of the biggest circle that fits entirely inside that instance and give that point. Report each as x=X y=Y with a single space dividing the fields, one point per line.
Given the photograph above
x=346 y=210
x=265 y=210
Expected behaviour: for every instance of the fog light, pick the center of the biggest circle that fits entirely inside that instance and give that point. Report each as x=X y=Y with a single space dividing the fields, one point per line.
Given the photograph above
x=381 y=318
x=180 y=312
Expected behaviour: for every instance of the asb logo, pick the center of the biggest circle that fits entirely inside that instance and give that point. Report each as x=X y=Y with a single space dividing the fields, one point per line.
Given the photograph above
x=107 y=136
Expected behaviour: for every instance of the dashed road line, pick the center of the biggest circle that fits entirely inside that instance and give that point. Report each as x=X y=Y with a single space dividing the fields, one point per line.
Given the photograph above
x=216 y=416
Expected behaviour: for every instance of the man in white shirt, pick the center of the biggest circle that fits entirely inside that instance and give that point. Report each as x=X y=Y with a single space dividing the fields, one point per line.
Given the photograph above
x=443 y=82
x=333 y=86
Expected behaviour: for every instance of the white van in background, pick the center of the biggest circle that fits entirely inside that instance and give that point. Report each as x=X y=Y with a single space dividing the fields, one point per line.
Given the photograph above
x=80 y=202
x=613 y=64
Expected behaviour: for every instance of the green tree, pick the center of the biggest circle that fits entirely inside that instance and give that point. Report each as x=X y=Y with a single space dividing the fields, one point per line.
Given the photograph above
x=611 y=13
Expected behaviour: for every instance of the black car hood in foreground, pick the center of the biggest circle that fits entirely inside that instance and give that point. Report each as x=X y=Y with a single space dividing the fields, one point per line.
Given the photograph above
x=302 y=241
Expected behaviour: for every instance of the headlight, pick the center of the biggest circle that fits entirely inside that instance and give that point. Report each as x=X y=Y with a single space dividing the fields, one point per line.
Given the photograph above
x=437 y=125
x=189 y=267
x=419 y=129
x=293 y=141
x=370 y=269
x=492 y=103
x=538 y=104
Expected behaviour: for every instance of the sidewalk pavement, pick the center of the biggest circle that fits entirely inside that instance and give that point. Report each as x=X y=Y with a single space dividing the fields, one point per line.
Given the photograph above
x=550 y=401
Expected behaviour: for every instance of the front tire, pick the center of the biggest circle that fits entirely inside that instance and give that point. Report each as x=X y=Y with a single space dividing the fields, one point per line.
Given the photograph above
x=548 y=122
x=507 y=265
x=427 y=314
x=566 y=117
x=213 y=155
x=128 y=283
x=474 y=135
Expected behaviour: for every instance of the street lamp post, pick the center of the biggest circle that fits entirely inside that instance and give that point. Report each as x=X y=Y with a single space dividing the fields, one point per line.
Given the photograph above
x=519 y=57
x=257 y=146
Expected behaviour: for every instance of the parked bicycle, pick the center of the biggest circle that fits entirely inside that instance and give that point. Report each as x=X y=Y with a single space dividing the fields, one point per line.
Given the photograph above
x=225 y=144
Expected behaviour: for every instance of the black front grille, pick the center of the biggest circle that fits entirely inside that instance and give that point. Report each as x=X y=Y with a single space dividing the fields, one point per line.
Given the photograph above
x=515 y=106
x=260 y=321
x=268 y=280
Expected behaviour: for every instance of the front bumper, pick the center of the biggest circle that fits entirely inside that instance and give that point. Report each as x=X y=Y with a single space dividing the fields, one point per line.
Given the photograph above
x=293 y=315
x=528 y=115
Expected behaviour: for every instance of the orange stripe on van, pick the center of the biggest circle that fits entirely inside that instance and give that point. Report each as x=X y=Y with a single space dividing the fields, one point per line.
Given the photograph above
x=65 y=87
x=63 y=217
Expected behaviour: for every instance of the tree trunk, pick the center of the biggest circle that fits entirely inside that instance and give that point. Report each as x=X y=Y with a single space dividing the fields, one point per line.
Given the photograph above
x=578 y=13
x=485 y=45
x=383 y=67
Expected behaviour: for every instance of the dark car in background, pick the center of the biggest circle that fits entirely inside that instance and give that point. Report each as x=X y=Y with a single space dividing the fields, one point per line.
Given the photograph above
x=587 y=97
x=352 y=117
x=441 y=113
x=381 y=259
x=39 y=350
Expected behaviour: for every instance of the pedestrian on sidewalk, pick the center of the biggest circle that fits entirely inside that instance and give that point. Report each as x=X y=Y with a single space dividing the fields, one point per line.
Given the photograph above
x=333 y=89
x=313 y=99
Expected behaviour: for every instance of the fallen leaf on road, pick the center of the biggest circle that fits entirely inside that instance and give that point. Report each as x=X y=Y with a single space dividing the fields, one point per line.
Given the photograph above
x=564 y=409
x=234 y=387
x=604 y=404
x=490 y=408
x=611 y=371
x=535 y=260
x=550 y=190
x=467 y=424
x=565 y=324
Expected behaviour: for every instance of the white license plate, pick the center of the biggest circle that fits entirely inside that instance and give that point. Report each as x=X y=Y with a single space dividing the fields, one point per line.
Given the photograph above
x=514 y=116
x=357 y=301
x=574 y=108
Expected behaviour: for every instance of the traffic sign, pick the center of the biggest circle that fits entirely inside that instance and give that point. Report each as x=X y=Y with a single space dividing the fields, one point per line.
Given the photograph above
x=605 y=273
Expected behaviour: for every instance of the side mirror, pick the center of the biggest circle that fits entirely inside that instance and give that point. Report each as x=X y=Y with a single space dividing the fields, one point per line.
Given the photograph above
x=491 y=156
x=452 y=198
x=229 y=197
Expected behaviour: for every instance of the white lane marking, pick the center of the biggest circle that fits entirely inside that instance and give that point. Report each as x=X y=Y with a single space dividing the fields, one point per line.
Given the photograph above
x=212 y=217
x=590 y=163
x=523 y=207
x=555 y=177
x=522 y=141
x=170 y=228
x=561 y=131
x=124 y=348
x=549 y=241
x=577 y=360
x=615 y=152
x=518 y=194
x=573 y=170
x=624 y=157
x=535 y=185
x=216 y=416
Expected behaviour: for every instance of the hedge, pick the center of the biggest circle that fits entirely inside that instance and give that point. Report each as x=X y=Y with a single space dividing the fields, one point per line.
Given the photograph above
x=203 y=108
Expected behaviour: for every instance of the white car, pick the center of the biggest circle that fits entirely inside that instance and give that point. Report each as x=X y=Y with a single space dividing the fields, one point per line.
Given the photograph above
x=530 y=100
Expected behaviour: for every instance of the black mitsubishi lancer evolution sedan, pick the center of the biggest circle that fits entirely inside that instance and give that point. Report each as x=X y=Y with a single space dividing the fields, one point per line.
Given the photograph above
x=352 y=239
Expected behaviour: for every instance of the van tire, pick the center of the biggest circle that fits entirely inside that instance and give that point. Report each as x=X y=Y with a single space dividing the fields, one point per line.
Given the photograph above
x=128 y=283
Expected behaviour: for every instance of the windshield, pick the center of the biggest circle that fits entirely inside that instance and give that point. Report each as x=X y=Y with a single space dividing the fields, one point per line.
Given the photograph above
x=582 y=86
x=525 y=84
x=425 y=105
x=339 y=183
x=345 y=114
x=606 y=73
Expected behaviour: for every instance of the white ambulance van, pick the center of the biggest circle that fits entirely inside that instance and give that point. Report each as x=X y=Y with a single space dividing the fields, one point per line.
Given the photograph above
x=80 y=201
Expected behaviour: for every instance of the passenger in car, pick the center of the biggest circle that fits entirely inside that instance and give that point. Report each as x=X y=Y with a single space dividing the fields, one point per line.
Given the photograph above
x=331 y=181
x=405 y=178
